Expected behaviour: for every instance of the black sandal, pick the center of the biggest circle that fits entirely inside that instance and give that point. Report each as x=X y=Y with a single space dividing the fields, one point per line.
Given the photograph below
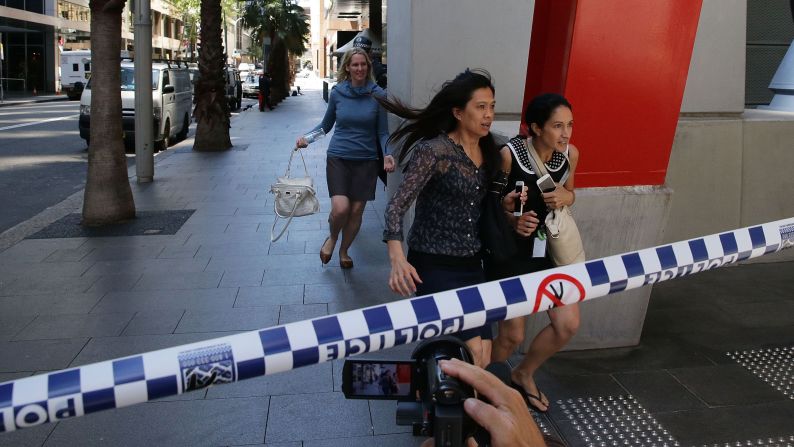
x=529 y=397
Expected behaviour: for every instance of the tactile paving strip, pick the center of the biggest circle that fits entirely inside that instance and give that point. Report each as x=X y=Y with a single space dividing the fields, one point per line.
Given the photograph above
x=774 y=366
x=614 y=421
x=543 y=424
x=782 y=441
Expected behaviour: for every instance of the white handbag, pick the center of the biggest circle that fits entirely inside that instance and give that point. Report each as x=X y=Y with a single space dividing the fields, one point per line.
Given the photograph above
x=293 y=197
x=565 y=242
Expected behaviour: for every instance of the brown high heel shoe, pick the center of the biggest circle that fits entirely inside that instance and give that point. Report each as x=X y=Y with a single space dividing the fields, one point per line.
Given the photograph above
x=346 y=262
x=325 y=258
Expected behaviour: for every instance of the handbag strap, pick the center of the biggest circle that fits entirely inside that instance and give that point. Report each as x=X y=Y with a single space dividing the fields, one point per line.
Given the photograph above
x=534 y=160
x=291 y=215
x=289 y=165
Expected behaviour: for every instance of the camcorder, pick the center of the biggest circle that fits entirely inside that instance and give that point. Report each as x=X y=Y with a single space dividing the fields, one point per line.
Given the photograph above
x=427 y=399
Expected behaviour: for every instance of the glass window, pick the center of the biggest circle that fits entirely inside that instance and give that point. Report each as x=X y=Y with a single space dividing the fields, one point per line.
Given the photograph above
x=16 y=4
x=128 y=79
x=75 y=67
x=166 y=80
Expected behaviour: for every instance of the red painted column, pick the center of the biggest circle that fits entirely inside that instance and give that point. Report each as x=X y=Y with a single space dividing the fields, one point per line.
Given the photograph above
x=623 y=64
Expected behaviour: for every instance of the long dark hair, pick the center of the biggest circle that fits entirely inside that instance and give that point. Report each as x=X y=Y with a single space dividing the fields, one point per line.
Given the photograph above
x=540 y=109
x=437 y=117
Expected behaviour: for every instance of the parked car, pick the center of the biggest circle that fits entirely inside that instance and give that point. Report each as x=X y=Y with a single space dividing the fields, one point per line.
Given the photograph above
x=251 y=85
x=171 y=104
x=75 y=71
x=234 y=88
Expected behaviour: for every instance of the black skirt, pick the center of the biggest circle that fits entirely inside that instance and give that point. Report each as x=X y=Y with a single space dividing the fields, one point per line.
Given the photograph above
x=354 y=179
x=440 y=273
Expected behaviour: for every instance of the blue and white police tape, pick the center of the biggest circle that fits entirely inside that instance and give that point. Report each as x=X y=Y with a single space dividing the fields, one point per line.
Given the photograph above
x=118 y=383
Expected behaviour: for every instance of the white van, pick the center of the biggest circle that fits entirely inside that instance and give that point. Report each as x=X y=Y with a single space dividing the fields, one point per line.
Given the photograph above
x=171 y=103
x=75 y=71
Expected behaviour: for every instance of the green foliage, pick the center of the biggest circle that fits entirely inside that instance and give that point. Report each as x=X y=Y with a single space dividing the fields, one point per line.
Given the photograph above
x=190 y=10
x=278 y=19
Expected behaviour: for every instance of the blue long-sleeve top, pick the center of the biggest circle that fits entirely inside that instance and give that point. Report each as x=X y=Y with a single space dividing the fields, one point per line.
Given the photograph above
x=360 y=122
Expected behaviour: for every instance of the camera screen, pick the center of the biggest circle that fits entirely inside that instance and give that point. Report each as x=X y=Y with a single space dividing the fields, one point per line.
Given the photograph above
x=378 y=380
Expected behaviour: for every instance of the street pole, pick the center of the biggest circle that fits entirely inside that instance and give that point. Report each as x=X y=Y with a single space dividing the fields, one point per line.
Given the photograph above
x=2 y=58
x=225 y=40
x=144 y=142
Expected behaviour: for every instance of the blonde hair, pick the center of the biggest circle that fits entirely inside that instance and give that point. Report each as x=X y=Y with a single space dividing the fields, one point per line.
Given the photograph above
x=343 y=75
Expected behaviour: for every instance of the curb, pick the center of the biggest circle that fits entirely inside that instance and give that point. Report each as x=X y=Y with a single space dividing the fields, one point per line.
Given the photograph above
x=19 y=102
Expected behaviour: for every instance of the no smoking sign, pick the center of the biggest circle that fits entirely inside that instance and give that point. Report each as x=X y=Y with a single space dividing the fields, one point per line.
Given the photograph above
x=560 y=289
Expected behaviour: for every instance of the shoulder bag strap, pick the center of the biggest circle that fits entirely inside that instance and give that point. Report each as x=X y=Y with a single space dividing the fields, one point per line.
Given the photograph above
x=289 y=219
x=534 y=159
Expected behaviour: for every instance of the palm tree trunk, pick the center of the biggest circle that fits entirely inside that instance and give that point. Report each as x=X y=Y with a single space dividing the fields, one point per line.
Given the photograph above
x=279 y=69
x=212 y=111
x=108 y=197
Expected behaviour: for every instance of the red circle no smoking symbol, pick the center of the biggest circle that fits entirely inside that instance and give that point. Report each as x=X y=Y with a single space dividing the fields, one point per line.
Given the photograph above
x=560 y=289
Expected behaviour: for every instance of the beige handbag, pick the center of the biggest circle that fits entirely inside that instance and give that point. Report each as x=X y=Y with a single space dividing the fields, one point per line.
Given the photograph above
x=293 y=197
x=565 y=242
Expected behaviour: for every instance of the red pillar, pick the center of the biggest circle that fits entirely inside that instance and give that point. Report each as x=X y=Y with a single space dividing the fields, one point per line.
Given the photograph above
x=623 y=64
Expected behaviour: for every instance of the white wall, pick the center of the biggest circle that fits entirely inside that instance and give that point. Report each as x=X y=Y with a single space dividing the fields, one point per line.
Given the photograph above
x=432 y=41
x=715 y=83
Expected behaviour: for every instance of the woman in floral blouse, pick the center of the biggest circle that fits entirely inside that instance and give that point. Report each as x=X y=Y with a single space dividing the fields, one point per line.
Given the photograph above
x=453 y=155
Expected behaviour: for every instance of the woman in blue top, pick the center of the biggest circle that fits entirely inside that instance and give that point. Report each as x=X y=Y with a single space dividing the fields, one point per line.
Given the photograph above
x=352 y=161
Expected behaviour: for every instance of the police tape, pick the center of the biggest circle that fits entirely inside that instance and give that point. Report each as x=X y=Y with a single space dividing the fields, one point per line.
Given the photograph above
x=58 y=395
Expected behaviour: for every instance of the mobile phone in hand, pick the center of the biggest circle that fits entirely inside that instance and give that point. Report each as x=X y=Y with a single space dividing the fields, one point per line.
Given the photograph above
x=546 y=184
x=519 y=207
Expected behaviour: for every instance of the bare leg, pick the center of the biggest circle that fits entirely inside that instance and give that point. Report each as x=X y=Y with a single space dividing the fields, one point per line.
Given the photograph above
x=564 y=324
x=340 y=213
x=511 y=334
x=476 y=347
x=487 y=348
x=351 y=227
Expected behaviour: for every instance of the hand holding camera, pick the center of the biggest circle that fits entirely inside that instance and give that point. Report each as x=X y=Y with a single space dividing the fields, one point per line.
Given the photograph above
x=505 y=417
x=428 y=400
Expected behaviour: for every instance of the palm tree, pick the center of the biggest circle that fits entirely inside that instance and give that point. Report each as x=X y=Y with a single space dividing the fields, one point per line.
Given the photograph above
x=287 y=26
x=212 y=111
x=108 y=197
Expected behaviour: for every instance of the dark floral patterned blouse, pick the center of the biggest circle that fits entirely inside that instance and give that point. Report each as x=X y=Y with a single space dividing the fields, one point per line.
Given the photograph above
x=448 y=188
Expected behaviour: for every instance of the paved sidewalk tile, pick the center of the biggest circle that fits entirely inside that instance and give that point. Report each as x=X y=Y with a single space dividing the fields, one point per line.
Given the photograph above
x=176 y=281
x=233 y=319
x=401 y=440
x=48 y=304
x=178 y=423
x=269 y=295
x=143 y=300
x=318 y=416
x=12 y=268
x=11 y=325
x=36 y=250
x=154 y=322
x=75 y=326
x=307 y=380
x=730 y=424
x=28 y=437
x=722 y=385
x=293 y=313
x=39 y=355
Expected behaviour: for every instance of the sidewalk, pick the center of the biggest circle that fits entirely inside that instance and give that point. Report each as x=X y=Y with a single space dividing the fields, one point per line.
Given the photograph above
x=16 y=99
x=70 y=301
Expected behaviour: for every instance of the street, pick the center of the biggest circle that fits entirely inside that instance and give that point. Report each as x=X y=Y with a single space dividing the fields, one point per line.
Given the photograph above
x=42 y=157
